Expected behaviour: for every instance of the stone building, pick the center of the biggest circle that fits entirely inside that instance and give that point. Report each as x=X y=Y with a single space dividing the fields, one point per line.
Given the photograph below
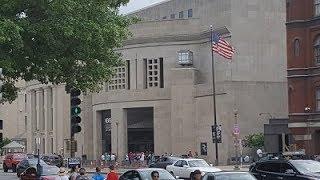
x=303 y=48
x=161 y=99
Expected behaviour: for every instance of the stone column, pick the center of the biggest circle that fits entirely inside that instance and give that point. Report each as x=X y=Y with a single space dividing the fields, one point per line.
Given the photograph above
x=183 y=110
x=97 y=144
x=54 y=120
x=30 y=111
x=119 y=132
x=48 y=118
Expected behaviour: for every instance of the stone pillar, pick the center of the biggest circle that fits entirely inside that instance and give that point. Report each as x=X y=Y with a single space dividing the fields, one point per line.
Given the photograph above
x=119 y=132
x=56 y=149
x=48 y=118
x=30 y=120
x=183 y=120
x=97 y=145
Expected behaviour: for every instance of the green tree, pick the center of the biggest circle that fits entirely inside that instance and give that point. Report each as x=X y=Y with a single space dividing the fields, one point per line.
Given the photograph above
x=254 y=140
x=60 y=41
x=4 y=142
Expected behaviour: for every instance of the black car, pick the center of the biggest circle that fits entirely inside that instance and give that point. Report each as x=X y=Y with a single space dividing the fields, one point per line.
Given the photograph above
x=286 y=170
x=223 y=175
x=52 y=159
x=163 y=162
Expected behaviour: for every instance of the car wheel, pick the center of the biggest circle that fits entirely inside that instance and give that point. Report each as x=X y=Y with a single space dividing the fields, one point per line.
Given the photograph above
x=14 y=168
x=5 y=168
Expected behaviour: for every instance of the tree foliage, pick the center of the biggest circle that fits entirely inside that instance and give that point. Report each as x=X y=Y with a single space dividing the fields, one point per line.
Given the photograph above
x=254 y=140
x=4 y=142
x=60 y=41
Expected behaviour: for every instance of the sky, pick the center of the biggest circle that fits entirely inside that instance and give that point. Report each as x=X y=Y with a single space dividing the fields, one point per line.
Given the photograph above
x=137 y=4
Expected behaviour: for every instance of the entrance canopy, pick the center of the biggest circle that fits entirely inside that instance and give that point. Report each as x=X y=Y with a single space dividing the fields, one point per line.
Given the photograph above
x=13 y=147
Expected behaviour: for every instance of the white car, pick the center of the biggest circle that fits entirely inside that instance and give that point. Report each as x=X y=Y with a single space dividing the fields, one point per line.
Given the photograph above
x=185 y=167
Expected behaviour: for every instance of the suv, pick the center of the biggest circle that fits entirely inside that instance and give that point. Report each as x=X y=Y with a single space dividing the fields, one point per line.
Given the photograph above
x=11 y=161
x=286 y=169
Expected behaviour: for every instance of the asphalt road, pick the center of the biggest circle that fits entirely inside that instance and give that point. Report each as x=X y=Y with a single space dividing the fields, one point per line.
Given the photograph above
x=8 y=176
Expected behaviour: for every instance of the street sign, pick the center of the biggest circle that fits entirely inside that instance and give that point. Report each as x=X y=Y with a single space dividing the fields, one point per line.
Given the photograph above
x=219 y=134
x=236 y=129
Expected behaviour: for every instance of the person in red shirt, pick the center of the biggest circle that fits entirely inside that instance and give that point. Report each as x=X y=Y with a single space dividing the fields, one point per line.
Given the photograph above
x=112 y=175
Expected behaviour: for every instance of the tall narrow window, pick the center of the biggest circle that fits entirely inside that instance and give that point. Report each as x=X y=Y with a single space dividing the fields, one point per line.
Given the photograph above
x=181 y=14
x=1 y=124
x=1 y=137
x=318 y=99
x=161 y=73
x=128 y=74
x=316 y=50
x=296 y=47
x=190 y=13
x=316 y=7
x=172 y=16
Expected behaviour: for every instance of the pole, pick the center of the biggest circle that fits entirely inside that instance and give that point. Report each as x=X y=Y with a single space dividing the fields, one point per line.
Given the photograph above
x=72 y=153
x=214 y=98
x=236 y=144
x=117 y=139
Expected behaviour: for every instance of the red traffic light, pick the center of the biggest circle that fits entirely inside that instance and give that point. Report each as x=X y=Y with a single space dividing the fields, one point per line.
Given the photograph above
x=75 y=92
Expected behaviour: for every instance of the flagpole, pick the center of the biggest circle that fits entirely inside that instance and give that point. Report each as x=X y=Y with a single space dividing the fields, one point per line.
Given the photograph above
x=214 y=98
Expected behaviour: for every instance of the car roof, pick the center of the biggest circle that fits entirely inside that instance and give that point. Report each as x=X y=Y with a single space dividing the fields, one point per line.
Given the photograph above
x=149 y=169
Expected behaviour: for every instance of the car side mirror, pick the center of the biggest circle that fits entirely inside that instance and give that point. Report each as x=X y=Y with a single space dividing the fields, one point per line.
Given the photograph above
x=290 y=171
x=186 y=166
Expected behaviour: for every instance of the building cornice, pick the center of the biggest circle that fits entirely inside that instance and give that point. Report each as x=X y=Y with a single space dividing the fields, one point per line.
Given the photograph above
x=303 y=23
x=303 y=72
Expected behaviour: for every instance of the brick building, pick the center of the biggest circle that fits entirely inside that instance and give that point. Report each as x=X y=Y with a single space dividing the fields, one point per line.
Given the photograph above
x=303 y=54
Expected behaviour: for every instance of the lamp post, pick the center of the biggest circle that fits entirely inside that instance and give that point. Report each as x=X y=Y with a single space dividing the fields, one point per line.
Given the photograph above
x=39 y=168
x=236 y=132
x=307 y=110
x=117 y=124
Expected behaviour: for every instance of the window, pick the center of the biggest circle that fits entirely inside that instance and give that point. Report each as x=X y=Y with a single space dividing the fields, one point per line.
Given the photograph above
x=172 y=16
x=181 y=14
x=1 y=124
x=164 y=17
x=154 y=73
x=190 y=13
x=184 y=163
x=269 y=167
x=318 y=99
x=296 y=47
x=178 y=163
x=119 y=80
x=316 y=49
x=316 y=7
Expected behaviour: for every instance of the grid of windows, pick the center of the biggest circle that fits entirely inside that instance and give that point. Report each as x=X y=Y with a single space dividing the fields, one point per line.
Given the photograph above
x=316 y=7
x=190 y=13
x=153 y=72
x=181 y=14
x=118 y=81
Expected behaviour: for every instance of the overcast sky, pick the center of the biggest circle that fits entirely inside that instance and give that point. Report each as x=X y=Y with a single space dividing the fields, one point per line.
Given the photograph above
x=137 y=4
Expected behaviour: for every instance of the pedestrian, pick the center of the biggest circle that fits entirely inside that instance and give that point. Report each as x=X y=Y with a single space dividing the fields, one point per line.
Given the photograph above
x=130 y=157
x=63 y=174
x=74 y=173
x=142 y=158
x=155 y=175
x=190 y=154
x=98 y=175
x=196 y=155
x=112 y=175
x=196 y=175
x=113 y=158
x=82 y=175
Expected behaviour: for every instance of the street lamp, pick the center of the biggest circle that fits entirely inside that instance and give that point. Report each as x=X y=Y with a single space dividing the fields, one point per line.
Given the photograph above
x=39 y=168
x=236 y=132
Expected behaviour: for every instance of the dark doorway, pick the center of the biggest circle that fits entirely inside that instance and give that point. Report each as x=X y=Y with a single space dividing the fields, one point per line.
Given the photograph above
x=316 y=142
x=106 y=131
x=140 y=129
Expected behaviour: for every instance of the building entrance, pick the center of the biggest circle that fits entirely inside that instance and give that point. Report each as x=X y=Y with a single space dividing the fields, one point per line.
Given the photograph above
x=140 y=129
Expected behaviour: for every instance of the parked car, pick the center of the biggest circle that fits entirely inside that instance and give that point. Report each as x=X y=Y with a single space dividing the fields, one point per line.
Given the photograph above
x=47 y=174
x=228 y=176
x=145 y=174
x=52 y=159
x=11 y=161
x=185 y=167
x=163 y=162
x=28 y=162
x=286 y=169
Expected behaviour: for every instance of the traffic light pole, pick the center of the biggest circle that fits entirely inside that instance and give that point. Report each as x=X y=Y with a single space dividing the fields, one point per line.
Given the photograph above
x=72 y=153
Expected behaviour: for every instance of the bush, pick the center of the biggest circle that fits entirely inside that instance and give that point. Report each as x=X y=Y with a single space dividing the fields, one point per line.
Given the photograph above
x=254 y=140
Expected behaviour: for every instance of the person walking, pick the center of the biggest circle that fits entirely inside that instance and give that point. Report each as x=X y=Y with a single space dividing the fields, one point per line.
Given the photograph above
x=142 y=158
x=98 y=175
x=196 y=175
x=82 y=175
x=112 y=175
x=155 y=175
x=62 y=174
x=73 y=173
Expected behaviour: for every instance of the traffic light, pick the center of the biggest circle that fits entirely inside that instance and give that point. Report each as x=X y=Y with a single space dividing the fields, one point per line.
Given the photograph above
x=75 y=101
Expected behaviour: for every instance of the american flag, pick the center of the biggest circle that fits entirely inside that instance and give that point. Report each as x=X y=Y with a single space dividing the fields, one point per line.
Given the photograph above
x=222 y=47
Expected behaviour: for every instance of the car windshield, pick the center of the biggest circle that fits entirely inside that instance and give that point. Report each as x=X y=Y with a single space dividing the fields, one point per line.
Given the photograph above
x=163 y=175
x=233 y=176
x=34 y=162
x=198 y=163
x=48 y=171
x=306 y=166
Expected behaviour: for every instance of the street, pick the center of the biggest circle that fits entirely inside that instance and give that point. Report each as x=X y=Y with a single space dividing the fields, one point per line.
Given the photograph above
x=8 y=176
